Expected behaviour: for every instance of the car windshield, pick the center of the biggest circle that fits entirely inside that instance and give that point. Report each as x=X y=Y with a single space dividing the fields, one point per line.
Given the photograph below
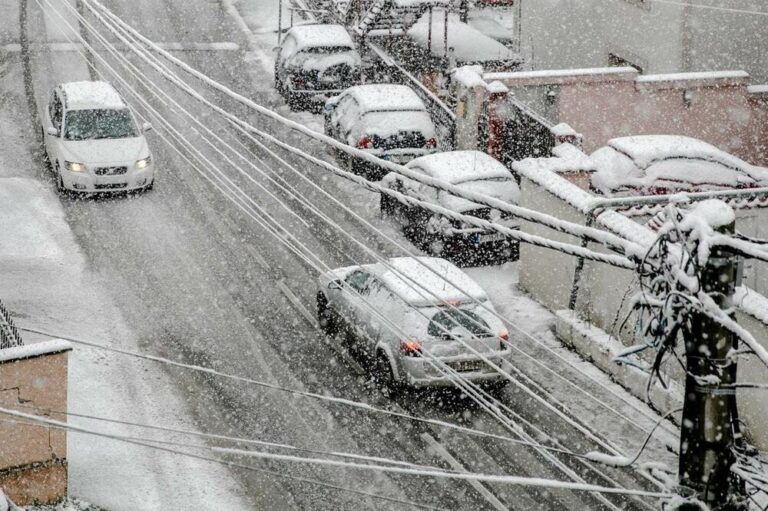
x=100 y=123
x=448 y=320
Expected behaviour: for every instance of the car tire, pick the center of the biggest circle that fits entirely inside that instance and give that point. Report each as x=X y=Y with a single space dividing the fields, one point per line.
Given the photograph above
x=325 y=316
x=149 y=187
x=60 y=183
x=385 y=378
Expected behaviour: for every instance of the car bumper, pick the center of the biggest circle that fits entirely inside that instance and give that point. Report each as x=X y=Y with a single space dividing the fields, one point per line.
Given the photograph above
x=419 y=372
x=90 y=183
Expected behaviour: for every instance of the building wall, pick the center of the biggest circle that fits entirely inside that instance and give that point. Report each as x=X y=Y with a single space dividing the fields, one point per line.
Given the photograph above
x=659 y=38
x=33 y=457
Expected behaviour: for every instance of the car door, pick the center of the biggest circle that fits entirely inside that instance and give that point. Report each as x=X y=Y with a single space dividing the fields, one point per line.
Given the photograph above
x=284 y=53
x=351 y=299
x=339 y=113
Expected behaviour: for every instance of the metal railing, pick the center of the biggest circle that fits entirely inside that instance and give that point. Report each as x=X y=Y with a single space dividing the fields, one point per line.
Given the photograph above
x=9 y=335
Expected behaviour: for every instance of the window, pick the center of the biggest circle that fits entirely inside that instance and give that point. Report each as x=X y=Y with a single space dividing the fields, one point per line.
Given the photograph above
x=101 y=123
x=448 y=320
x=56 y=111
x=357 y=280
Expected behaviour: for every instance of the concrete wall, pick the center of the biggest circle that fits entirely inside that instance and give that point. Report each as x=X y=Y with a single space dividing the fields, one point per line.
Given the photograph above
x=660 y=38
x=606 y=103
x=33 y=466
x=547 y=275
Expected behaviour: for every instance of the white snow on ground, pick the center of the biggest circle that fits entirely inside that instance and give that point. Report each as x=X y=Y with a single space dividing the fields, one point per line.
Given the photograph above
x=46 y=284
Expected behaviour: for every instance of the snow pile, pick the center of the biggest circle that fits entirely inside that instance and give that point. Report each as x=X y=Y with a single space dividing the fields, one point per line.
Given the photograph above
x=34 y=350
x=313 y=36
x=469 y=76
x=386 y=97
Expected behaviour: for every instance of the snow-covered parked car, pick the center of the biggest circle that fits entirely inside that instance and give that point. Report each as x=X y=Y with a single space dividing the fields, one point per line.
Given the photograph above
x=661 y=164
x=412 y=310
x=92 y=141
x=315 y=62
x=473 y=171
x=386 y=120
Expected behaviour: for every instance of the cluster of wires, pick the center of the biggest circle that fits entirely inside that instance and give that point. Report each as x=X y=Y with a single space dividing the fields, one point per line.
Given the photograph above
x=234 y=152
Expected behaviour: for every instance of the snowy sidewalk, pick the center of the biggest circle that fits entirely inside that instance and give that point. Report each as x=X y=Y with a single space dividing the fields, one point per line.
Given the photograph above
x=45 y=282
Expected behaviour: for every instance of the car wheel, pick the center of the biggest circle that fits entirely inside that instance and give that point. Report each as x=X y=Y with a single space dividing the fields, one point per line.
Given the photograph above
x=60 y=183
x=385 y=378
x=149 y=187
x=325 y=315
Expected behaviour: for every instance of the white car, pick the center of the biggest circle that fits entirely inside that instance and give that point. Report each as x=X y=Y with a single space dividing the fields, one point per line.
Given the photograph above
x=432 y=320
x=315 y=62
x=93 y=142
x=386 y=120
x=473 y=171
x=661 y=164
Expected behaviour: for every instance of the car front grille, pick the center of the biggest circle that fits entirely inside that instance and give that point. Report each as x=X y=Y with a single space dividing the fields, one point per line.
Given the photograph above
x=110 y=171
x=110 y=186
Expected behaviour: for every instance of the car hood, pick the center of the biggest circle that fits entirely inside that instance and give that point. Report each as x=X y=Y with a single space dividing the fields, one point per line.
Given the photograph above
x=121 y=150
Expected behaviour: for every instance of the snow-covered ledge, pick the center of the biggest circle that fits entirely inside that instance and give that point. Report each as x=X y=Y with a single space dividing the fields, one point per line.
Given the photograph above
x=601 y=349
x=34 y=350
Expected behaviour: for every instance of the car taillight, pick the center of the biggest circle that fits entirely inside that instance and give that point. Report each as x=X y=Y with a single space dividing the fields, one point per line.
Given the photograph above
x=504 y=335
x=410 y=348
x=365 y=143
x=431 y=143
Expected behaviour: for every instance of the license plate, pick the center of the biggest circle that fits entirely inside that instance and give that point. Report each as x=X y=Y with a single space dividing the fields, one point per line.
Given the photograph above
x=466 y=366
x=489 y=238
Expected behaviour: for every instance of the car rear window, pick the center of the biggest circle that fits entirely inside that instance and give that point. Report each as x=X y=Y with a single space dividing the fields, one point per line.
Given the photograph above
x=99 y=123
x=449 y=319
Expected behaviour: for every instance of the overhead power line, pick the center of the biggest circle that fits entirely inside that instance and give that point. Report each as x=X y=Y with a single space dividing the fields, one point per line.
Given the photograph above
x=435 y=473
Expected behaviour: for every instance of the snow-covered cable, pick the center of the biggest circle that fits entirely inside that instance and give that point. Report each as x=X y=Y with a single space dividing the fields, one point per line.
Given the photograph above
x=148 y=444
x=439 y=473
x=597 y=235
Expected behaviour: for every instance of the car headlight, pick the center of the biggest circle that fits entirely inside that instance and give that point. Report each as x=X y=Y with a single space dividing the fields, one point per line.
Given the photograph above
x=74 y=167
x=141 y=164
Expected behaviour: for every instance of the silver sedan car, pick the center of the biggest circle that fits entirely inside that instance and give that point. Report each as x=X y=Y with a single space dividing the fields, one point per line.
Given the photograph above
x=423 y=320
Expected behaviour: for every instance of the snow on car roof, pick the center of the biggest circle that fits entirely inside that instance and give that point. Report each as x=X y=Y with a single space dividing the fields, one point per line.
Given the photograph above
x=90 y=95
x=385 y=96
x=461 y=166
x=646 y=149
x=670 y=162
x=312 y=36
x=433 y=287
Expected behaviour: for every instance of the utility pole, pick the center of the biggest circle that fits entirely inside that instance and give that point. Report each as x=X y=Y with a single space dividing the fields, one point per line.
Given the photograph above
x=710 y=427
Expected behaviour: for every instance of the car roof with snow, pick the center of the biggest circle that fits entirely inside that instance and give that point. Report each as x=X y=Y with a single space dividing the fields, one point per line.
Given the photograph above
x=319 y=35
x=461 y=166
x=433 y=287
x=91 y=95
x=669 y=163
x=646 y=149
x=386 y=97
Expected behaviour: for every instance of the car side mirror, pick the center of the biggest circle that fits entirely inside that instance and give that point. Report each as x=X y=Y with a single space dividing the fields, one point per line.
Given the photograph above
x=52 y=131
x=146 y=127
x=334 y=284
